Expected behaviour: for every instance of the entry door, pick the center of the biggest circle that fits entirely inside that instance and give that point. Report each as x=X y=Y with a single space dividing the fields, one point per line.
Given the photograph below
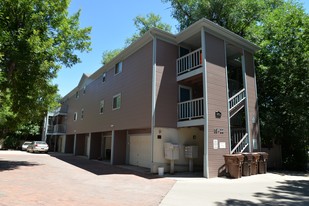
x=185 y=93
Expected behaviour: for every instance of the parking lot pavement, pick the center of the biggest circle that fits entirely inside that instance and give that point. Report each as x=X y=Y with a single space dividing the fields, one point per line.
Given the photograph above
x=55 y=179
x=264 y=189
x=60 y=179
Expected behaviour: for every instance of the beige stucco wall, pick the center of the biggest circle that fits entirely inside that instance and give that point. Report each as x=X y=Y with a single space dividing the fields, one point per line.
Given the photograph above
x=181 y=137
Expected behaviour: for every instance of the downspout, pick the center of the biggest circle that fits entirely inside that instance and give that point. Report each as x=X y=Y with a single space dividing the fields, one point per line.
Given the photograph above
x=153 y=97
x=205 y=93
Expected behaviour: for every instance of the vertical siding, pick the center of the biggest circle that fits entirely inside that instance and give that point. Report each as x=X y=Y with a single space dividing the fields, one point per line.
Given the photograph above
x=166 y=85
x=252 y=97
x=120 y=142
x=217 y=101
x=134 y=84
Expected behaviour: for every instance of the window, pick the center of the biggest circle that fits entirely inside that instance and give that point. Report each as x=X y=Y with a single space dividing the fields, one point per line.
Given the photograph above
x=104 y=77
x=101 y=107
x=84 y=90
x=118 y=68
x=75 y=116
x=116 y=101
x=82 y=114
x=77 y=95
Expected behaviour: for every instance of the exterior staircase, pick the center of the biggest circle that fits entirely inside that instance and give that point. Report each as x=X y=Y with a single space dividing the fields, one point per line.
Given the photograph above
x=239 y=136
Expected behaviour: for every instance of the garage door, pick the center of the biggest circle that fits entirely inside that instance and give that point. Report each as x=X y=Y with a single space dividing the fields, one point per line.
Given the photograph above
x=140 y=150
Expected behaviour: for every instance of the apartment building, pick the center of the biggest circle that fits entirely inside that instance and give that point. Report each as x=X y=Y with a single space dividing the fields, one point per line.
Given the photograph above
x=196 y=88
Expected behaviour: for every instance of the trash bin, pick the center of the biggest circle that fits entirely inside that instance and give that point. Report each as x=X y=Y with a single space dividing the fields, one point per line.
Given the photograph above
x=263 y=162
x=160 y=171
x=254 y=163
x=246 y=166
x=233 y=165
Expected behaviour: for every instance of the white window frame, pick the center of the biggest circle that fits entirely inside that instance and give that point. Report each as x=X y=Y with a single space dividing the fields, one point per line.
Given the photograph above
x=115 y=97
x=75 y=116
x=118 y=68
x=102 y=106
x=104 y=77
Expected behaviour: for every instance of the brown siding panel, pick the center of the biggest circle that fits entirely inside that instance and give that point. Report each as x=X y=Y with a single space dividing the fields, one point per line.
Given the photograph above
x=167 y=89
x=217 y=101
x=134 y=84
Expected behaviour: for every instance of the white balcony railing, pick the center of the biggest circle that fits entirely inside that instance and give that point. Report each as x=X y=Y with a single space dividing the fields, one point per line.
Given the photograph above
x=60 y=128
x=56 y=129
x=191 y=109
x=189 y=62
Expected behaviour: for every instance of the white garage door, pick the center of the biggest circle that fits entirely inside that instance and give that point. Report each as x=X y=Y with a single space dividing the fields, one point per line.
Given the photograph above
x=140 y=150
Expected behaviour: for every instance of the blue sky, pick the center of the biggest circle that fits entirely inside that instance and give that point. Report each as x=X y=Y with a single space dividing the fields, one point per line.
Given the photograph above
x=112 y=23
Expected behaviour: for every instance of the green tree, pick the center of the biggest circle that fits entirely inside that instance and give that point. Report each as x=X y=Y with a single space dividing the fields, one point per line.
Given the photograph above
x=235 y=15
x=283 y=81
x=108 y=55
x=37 y=39
x=142 y=24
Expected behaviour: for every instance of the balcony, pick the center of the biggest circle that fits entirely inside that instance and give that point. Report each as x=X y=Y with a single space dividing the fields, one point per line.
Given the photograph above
x=189 y=65
x=191 y=113
x=56 y=129
x=61 y=110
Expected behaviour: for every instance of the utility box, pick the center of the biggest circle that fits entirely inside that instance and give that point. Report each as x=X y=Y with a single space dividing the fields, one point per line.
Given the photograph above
x=171 y=151
x=191 y=151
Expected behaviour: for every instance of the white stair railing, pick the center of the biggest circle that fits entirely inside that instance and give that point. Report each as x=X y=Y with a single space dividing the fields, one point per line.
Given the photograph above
x=189 y=62
x=235 y=100
x=239 y=140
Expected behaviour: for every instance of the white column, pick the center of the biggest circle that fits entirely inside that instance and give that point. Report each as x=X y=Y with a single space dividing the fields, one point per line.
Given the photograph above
x=112 y=146
x=244 y=76
x=227 y=97
x=206 y=168
x=154 y=99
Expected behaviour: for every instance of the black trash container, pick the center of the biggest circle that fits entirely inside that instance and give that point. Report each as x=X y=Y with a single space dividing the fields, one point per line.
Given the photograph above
x=246 y=165
x=233 y=165
x=263 y=162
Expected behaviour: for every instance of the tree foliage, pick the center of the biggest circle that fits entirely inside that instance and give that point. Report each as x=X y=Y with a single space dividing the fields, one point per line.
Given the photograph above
x=37 y=38
x=281 y=29
x=142 y=24
x=108 y=55
x=235 y=15
x=283 y=80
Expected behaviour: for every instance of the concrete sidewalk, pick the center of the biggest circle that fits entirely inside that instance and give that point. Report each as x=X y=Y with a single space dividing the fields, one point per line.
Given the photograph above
x=262 y=189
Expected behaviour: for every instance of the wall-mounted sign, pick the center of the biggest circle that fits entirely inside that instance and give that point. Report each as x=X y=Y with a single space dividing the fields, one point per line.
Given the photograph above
x=222 y=145
x=215 y=142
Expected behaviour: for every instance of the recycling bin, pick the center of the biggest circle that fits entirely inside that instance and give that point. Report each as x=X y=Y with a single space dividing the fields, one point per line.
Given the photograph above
x=233 y=165
x=254 y=163
x=263 y=162
x=246 y=165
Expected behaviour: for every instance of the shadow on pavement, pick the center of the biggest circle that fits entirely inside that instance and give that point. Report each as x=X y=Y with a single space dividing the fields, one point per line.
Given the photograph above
x=289 y=192
x=12 y=165
x=100 y=168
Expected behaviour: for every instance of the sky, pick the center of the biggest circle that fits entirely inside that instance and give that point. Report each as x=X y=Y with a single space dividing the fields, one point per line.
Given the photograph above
x=112 y=23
